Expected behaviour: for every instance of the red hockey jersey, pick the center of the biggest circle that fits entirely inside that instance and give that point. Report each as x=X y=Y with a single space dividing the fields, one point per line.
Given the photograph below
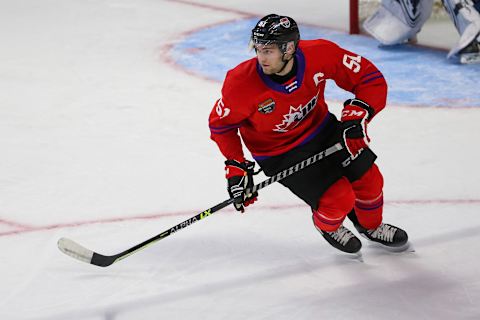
x=273 y=118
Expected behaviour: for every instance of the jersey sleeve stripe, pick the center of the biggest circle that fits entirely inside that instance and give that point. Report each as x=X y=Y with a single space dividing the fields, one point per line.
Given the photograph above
x=371 y=79
x=232 y=126
x=369 y=74
x=223 y=129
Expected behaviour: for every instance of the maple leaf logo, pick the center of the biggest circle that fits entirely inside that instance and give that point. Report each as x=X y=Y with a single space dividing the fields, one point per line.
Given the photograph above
x=296 y=115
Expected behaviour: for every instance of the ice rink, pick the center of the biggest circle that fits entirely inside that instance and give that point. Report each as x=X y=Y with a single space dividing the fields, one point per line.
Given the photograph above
x=104 y=139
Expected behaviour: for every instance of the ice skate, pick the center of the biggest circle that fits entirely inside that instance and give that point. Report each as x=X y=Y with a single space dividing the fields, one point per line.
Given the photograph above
x=342 y=239
x=387 y=235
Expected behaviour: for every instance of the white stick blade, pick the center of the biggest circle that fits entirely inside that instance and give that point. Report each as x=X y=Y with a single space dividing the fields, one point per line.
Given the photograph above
x=74 y=250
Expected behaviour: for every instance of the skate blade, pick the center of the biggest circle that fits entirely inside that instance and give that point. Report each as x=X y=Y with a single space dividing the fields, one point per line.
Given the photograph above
x=355 y=256
x=406 y=248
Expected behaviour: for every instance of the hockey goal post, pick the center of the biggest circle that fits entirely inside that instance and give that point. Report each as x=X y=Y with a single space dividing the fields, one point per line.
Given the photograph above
x=354 y=17
x=362 y=9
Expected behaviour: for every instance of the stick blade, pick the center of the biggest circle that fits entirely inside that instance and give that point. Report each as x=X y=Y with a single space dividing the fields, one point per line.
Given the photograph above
x=74 y=250
x=79 y=252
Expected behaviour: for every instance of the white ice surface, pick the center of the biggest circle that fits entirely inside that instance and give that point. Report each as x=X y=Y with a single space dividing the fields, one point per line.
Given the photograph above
x=105 y=141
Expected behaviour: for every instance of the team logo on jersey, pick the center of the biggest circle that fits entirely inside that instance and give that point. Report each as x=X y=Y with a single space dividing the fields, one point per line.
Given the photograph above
x=296 y=115
x=266 y=106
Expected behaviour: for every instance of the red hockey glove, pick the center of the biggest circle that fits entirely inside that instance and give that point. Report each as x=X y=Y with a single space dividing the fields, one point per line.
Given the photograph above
x=240 y=178
x=355 y=116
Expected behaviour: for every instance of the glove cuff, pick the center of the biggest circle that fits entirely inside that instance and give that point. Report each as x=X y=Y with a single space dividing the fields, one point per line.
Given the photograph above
x=362 y=104
x=232 y=171
x=234 y=168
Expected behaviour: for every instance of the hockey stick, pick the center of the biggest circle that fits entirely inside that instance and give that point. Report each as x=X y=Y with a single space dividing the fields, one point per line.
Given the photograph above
x=74 y=250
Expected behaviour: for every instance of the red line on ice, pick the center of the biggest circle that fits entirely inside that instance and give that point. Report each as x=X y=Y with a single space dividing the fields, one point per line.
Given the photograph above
x=165 y=56
x=14 y=224
x=24 y=229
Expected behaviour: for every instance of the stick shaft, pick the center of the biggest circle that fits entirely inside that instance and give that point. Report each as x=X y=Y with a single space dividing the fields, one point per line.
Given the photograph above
x=81 y=253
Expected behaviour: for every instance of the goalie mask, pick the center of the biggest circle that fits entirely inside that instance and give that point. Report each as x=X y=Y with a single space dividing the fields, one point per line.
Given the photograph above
x=275 y=29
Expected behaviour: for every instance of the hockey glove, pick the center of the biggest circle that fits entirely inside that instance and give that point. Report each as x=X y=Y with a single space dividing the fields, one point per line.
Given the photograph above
x=240 y=178
x=355 y=116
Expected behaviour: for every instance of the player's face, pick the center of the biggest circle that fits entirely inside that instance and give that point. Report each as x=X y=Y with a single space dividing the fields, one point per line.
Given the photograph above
x=270 y=58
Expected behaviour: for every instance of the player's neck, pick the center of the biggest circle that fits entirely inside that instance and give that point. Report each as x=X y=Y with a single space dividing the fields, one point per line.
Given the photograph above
x=287 y=73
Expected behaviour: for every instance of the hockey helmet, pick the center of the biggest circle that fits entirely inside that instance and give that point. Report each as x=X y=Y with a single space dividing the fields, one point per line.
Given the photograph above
x=275 y=29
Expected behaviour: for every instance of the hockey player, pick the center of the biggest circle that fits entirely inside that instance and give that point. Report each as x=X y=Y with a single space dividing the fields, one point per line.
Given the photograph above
x=276 y=102
x=398 y=21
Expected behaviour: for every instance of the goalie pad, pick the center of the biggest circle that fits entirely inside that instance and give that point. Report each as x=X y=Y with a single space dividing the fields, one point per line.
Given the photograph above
x=466 y=17
x=397 y=21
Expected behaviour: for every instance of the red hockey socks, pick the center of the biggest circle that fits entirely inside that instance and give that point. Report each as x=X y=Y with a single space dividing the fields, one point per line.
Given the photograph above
x=369 y=198
x=334 y=205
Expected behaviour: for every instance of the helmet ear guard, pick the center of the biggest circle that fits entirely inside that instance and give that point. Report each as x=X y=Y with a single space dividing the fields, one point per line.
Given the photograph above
x=284 y=46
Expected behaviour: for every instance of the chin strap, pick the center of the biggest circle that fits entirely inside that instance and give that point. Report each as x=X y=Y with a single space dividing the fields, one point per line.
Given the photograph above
x=285 y=62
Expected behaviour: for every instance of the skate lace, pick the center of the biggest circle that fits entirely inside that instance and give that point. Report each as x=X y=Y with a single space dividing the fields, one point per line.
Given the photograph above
x=384 y=232
x=342 y=235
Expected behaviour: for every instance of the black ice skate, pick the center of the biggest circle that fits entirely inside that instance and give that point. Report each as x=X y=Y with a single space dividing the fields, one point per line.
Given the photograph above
x=342 y=239
x=385 y=234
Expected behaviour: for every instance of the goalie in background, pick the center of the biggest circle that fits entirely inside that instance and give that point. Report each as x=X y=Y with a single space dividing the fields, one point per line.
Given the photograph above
x=399 y=21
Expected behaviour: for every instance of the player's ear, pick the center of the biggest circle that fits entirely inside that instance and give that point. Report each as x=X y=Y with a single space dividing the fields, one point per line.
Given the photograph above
x=290 y=48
